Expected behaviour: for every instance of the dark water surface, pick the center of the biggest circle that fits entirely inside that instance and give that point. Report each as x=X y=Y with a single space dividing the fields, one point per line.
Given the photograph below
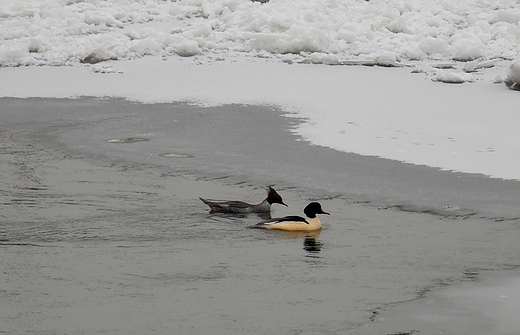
x=101 y=229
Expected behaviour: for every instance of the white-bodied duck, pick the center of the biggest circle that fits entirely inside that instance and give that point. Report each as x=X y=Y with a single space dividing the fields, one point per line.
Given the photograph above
x=240 y=207
x=296 y=223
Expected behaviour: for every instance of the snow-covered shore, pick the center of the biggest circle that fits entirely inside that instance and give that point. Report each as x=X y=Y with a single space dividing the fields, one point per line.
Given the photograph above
x=386 y=112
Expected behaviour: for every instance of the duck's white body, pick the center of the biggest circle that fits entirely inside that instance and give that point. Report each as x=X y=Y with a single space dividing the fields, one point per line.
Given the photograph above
x=292 y=224
x=296 y=223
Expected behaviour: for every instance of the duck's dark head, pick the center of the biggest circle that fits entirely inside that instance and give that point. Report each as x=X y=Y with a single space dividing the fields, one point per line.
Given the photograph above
x=273 y=197
x=312 y=209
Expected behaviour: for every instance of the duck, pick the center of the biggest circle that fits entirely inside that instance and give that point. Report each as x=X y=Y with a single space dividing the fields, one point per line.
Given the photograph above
x=240 y=207
x=296 y=223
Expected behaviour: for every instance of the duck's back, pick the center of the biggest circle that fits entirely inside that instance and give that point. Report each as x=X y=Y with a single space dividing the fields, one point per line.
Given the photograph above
x=238 y=207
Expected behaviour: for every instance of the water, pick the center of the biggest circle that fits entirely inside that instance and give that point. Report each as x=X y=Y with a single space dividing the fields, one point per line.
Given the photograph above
x=102 y=236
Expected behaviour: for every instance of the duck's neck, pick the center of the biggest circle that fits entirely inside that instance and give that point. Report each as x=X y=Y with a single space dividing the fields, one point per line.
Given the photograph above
x=264 y=206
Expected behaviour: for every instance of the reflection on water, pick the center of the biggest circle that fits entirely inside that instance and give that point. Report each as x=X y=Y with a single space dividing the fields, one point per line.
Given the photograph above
x=311 y=244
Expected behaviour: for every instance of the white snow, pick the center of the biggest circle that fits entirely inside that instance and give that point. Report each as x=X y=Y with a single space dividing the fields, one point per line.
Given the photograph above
x=38 y=32
x=513 y=78
x=294 y=54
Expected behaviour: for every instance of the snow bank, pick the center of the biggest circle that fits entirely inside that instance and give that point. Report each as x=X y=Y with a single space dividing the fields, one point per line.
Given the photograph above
x=451 y=77
x=43 y=32
x=513 y=79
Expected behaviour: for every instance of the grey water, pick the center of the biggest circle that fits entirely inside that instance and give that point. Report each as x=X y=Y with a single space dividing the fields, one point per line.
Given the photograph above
x=102 y=231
